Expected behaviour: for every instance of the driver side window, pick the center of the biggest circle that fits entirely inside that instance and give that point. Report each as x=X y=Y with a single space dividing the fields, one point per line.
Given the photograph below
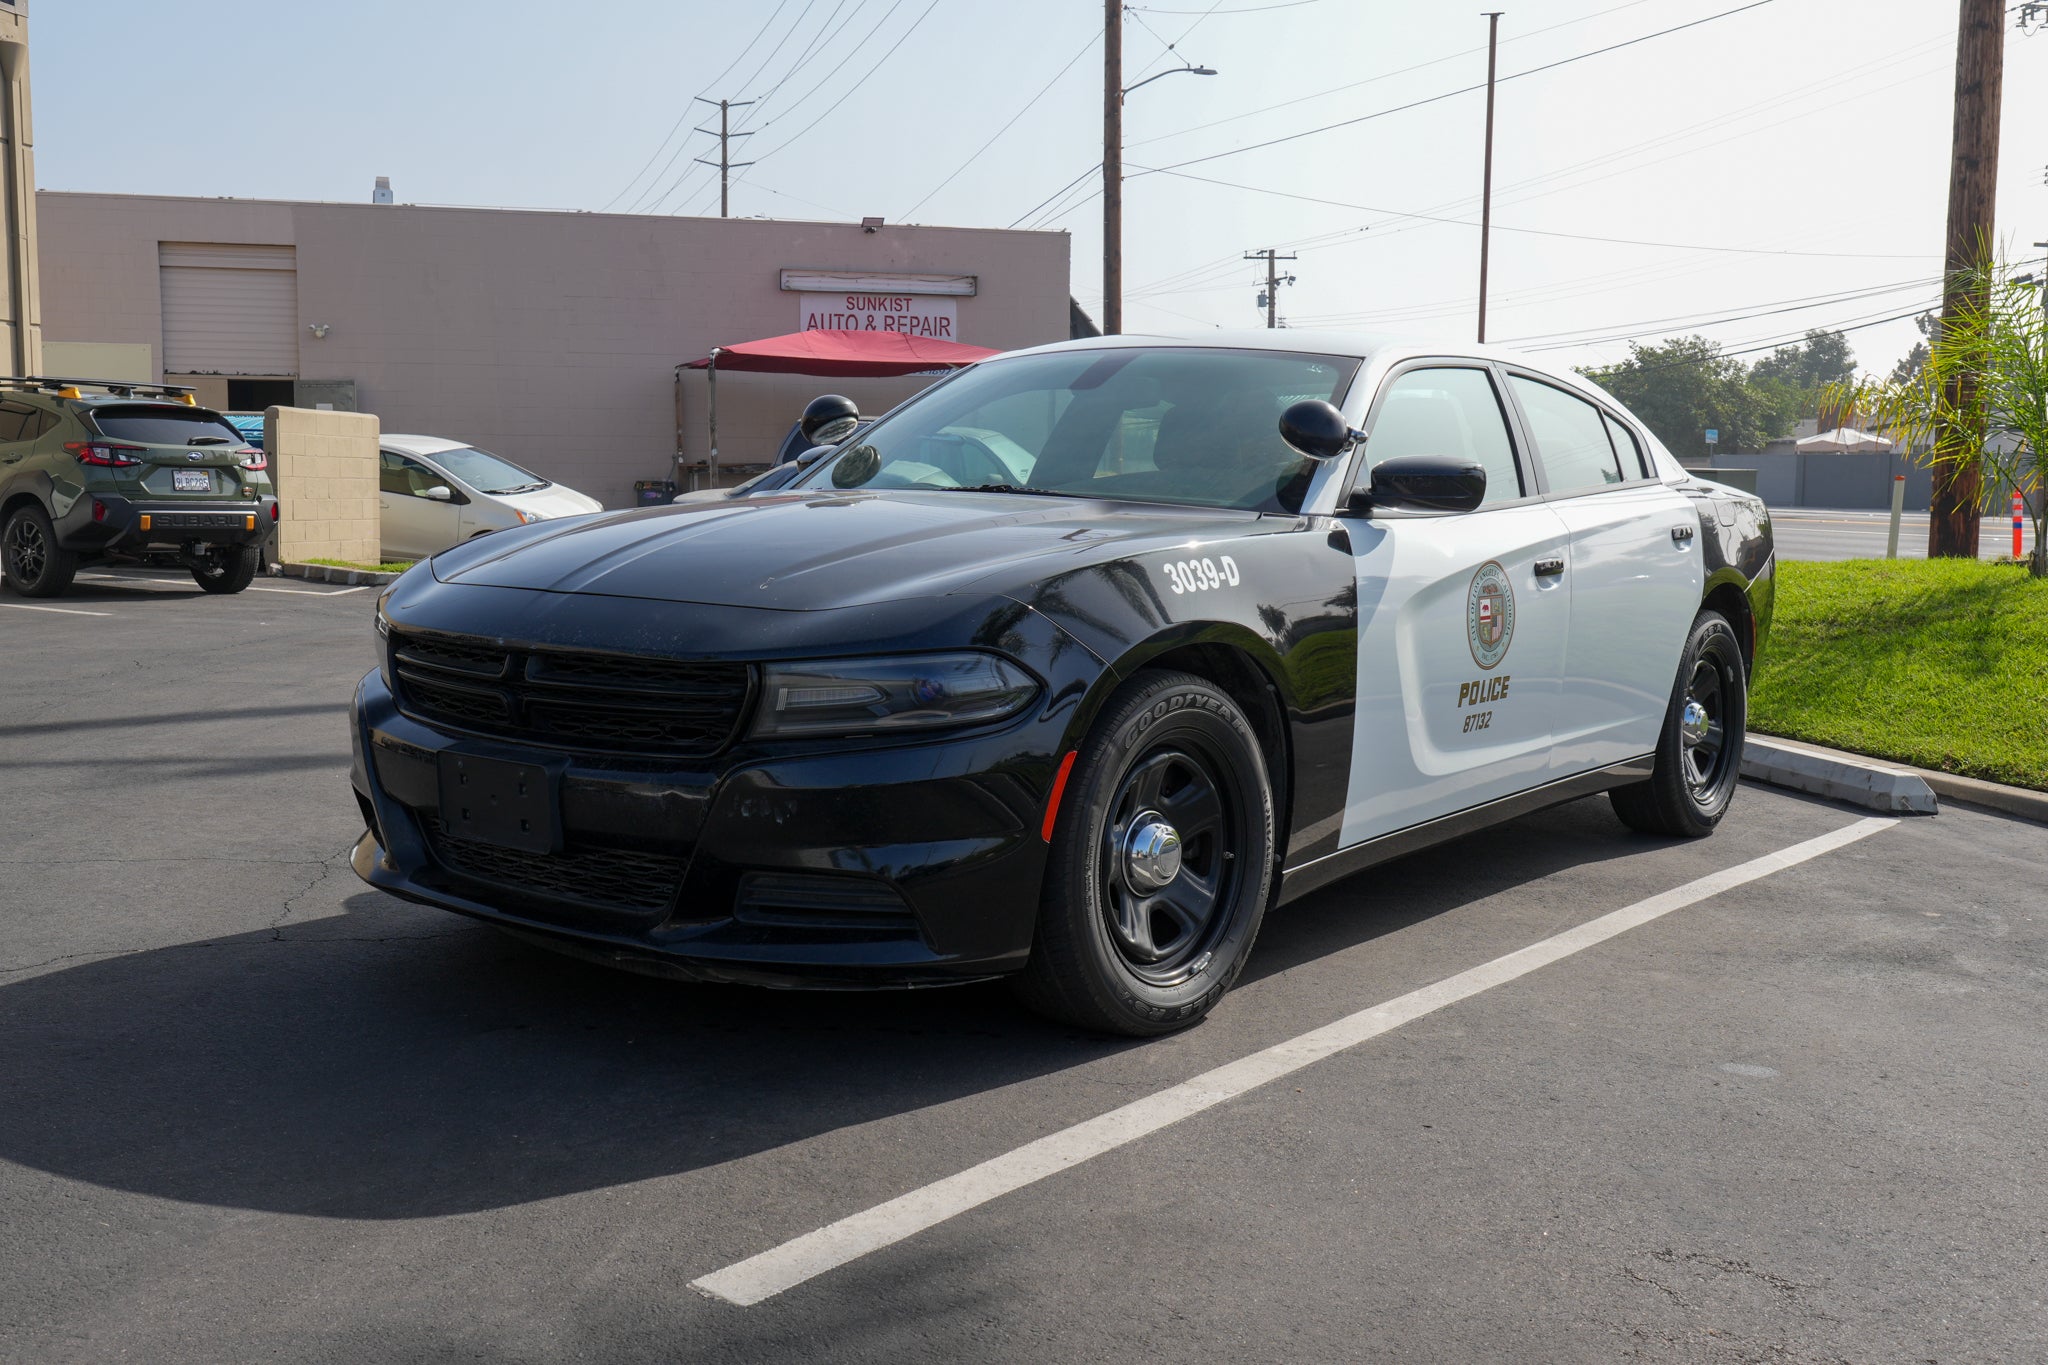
x=1447 y=411
x=407 y=478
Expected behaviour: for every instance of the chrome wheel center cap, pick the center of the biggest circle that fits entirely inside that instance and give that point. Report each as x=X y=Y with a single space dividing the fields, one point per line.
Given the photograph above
x=1151 y=853
x=1692 y=725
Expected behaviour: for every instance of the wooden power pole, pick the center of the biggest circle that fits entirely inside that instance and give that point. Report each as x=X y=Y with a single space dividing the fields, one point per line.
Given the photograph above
x=1972 y=192
x=1112 y=167
x=1274 y=279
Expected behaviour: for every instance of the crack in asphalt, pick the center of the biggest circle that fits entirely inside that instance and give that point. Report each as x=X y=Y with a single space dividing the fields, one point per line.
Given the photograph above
x=326 y=866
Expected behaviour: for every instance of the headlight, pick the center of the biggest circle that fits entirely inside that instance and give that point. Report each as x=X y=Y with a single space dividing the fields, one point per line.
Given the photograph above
x=883 y=696
x=529 y=518
x=383 y=645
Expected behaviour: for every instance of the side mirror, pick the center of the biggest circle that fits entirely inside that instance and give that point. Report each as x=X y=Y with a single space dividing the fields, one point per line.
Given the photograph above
x=829 y=419
x=1422 y=483
x=1316 y=430
x=440 y=492
x=813 y=455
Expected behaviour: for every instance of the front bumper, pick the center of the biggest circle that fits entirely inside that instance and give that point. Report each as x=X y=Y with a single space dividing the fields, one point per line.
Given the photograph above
x=917 y=865
x=131 y=526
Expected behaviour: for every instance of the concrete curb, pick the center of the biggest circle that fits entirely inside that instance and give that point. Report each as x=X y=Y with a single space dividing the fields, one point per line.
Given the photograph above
x=1974 y=791
x=2023 y=802
x=1838 y=776
x=328 y=573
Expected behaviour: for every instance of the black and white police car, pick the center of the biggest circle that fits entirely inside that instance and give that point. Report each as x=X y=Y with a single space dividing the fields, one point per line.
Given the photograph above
x=1068 y=669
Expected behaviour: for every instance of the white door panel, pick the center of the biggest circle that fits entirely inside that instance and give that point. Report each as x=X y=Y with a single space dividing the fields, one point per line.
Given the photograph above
x=1438 y=728
x=1634 y=593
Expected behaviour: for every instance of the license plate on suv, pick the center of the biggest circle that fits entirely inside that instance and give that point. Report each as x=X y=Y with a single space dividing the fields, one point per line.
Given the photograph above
x=191 y=481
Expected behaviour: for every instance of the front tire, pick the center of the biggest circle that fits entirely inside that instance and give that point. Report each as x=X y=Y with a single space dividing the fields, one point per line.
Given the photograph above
x=226 y=570
x=30 y=558
x=1161 y=866
x=1699 y=750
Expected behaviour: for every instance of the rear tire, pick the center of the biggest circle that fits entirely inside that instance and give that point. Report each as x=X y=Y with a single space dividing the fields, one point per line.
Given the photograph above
x=1699 y=760
x=228 y=570
x=1138 y=933
x=30 y=559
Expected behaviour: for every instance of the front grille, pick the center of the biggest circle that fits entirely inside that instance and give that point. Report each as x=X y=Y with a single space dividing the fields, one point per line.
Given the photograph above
x=574 y=698
x=608 y=878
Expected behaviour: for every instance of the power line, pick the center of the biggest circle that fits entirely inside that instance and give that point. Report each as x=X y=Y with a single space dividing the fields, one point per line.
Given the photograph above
x=1537 y=232
x=1464 y=90
x=1255 y=9
x=1386 y=75
x=1553 y=341
x=1085 y=48
x=1056 y=194
x=684 y=116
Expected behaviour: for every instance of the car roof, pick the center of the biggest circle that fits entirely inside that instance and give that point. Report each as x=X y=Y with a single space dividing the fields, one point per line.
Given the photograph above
x=419 y=445
x=1364 y=345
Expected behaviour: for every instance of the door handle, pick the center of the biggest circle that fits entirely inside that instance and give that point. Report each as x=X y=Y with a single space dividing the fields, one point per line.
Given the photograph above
x=1549 y=568
x=1681 y=534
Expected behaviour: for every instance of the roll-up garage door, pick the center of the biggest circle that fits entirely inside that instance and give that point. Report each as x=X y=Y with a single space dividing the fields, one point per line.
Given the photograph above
x=229 y=309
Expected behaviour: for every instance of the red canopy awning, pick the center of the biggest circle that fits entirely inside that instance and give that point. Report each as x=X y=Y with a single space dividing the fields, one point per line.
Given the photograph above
x=858 y=354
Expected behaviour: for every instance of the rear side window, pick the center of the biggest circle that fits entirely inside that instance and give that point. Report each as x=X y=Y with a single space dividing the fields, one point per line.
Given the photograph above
x=165 y=426
x=1447 y=412
x=1571 y=436
x=19 y=422
x=1628 y=448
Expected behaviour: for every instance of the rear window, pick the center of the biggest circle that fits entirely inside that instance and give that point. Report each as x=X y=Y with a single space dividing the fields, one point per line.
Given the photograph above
x=166 y=426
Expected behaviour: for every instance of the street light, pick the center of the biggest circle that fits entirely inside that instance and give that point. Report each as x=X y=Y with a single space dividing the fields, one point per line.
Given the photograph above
x=1113 y=93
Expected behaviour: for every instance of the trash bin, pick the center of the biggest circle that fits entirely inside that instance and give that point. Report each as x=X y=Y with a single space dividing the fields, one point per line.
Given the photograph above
x=653 y=492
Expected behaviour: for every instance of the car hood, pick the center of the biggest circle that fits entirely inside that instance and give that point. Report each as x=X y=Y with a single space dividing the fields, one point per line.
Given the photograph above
x=813 y=552
x=552 y=501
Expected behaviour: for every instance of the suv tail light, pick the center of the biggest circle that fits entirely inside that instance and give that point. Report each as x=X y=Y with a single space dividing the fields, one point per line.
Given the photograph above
x=253 y=458
x=102 y=453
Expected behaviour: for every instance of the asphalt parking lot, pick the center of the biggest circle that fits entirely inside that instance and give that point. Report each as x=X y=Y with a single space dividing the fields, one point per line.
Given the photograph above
x=251 y=1110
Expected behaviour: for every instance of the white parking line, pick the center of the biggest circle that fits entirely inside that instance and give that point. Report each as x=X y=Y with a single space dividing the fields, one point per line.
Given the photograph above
x=62 y=611
x=759 y=1277
x=311 y=592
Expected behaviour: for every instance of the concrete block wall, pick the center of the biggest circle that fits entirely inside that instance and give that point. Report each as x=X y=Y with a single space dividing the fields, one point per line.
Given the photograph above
x=325 y=467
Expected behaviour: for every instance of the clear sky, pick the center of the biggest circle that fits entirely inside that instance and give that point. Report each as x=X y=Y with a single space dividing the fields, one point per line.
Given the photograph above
x=1811 y=135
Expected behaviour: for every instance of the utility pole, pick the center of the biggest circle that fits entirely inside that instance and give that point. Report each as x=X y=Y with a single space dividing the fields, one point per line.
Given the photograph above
x=1112 y=167
x=726 y=165
x=1972 y=190
x=1272 y=258
x=1486 y=176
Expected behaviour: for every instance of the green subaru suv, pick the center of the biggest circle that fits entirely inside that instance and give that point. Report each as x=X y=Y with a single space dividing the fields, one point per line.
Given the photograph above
x=96 y=471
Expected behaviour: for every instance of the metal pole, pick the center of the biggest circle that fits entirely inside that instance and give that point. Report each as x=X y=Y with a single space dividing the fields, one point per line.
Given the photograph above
x=1891 y=542
x=1112 y=167
x=711 y=405
x=1486 y=178
x=724 y=160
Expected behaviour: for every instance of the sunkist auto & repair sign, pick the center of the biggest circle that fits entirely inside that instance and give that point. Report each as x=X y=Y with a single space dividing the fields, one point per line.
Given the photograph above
x=917 y=315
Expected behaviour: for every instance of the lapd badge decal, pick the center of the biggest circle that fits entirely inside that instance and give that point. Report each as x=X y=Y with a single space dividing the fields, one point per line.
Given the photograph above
x=1490 y=614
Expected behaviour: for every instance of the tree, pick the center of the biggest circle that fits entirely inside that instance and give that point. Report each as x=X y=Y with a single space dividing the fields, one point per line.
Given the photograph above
x=1915 y=358
x=1686 y=385
x=1986 y=370
x=1822 y=359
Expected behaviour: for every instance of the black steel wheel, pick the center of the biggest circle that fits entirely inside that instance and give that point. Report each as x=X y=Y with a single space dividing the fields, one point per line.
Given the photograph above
x=1699 y=751
x=1161 y=864
x=30 y=558
x=226 y=568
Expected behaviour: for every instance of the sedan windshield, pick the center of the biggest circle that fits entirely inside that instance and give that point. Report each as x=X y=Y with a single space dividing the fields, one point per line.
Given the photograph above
x=487 y=473
x=1196 y=425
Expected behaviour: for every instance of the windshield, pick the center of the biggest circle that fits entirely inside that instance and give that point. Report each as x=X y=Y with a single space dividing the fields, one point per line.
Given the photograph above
x=166 y=426
x=1192 y=425
x=487 y=473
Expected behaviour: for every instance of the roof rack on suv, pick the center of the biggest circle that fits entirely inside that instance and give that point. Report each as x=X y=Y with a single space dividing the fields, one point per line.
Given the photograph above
x=119 y=388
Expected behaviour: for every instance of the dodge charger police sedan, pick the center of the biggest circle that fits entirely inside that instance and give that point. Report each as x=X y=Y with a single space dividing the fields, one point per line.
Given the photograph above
x=1067 y=670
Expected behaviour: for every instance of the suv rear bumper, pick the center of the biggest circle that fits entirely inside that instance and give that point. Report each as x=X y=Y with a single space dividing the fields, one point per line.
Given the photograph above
x=100 y=523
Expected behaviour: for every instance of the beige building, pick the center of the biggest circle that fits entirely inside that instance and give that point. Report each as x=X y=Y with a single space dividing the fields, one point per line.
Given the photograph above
x=20 y=323
x=551 y=338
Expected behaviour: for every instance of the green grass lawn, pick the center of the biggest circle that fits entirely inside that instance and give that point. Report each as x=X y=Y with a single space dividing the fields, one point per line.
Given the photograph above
x=1938 y=663
x=397 y=566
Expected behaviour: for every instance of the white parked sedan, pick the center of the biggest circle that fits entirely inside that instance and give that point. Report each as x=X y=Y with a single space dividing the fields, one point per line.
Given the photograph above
x=435 y=494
